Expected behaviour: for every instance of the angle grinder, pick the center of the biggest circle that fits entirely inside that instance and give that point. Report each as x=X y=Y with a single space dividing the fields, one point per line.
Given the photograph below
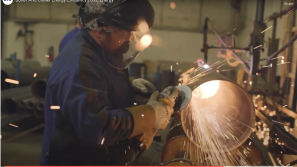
x=181 y=101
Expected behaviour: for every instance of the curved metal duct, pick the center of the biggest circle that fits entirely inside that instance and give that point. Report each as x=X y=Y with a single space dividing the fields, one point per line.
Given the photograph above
x=38 y=88
x=220 y=115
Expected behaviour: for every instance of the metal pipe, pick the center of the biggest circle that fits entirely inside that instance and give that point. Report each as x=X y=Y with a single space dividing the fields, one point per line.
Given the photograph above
x=10 y=105
x=38 y=88
x=294 y=103
x=281 y=108
x=28 y=103
x=16 y=92
x=215 y=93
x=274 y=29
x=39 y=106
x=289 y=139
x=257 y=37
x=260 y=10
x=205 y=46
x=281 y=49
x=269 y=74
x=26 y=75
x=23 y=64
x=9 y=92
x=280 y=14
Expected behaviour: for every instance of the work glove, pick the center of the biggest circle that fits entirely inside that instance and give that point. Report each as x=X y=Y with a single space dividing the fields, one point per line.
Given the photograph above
x=156 y=113
x=163 y=105
x=143 y=85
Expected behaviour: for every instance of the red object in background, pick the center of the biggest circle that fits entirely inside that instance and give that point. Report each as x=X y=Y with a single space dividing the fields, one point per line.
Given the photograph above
x=29 y=50
x=51 y=54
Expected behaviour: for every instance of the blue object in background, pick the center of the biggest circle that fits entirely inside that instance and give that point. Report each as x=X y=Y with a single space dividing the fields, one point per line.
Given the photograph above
x=67 y=37
x=13 y=56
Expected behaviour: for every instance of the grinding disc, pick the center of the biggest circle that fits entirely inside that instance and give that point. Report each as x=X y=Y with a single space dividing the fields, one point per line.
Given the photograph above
x=185 y=94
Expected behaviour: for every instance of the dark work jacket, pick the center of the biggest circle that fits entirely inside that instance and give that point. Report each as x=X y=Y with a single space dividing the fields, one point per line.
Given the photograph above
x=67 y=38
x=92 y=126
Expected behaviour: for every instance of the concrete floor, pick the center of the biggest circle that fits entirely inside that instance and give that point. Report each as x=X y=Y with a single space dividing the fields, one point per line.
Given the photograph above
x=26 y=151
x=22 y=152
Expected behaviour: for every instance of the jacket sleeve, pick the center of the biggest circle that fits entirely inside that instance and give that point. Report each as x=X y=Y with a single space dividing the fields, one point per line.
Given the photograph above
x=85 y=104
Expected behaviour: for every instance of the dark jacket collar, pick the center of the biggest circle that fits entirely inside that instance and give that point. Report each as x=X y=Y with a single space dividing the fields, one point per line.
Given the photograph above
x=91 y=41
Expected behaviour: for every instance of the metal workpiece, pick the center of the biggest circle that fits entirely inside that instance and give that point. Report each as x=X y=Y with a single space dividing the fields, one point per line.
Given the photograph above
x=38 y=88
x=256 y=151
x=10 y=105
x=221 y=105
x=269 y=74
x=39 y=108
x=176 y=130
x=14 y=91
x=179 y=147
x=29 y=103
x=289 y=139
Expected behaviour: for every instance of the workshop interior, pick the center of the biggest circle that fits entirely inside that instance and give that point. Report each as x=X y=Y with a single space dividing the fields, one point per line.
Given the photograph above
x=233 y=61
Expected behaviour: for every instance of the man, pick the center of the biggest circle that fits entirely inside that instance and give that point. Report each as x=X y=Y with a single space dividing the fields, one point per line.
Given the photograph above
x=96 y=122
x=70 y=34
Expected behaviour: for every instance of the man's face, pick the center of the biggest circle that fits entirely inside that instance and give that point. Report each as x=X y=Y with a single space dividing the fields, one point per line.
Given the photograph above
x=117 y=42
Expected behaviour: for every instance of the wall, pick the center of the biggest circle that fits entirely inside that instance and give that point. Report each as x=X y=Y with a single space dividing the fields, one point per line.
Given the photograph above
x=178 y=29
x=45 y=35
x=168 y=45
x=188 y=15
x=177 y=46
x=177 y=43
x=270 y=8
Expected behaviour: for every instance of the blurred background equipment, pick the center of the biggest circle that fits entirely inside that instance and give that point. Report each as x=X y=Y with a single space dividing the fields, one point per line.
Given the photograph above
x=243 y=53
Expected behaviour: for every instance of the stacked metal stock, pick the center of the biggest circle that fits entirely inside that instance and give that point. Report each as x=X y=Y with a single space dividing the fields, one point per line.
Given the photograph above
x=18 y=99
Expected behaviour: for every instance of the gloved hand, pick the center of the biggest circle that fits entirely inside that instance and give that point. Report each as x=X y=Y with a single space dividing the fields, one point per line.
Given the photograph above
x=155 y=114
x=143 y=85
x=163 y=106
x=147 y=138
